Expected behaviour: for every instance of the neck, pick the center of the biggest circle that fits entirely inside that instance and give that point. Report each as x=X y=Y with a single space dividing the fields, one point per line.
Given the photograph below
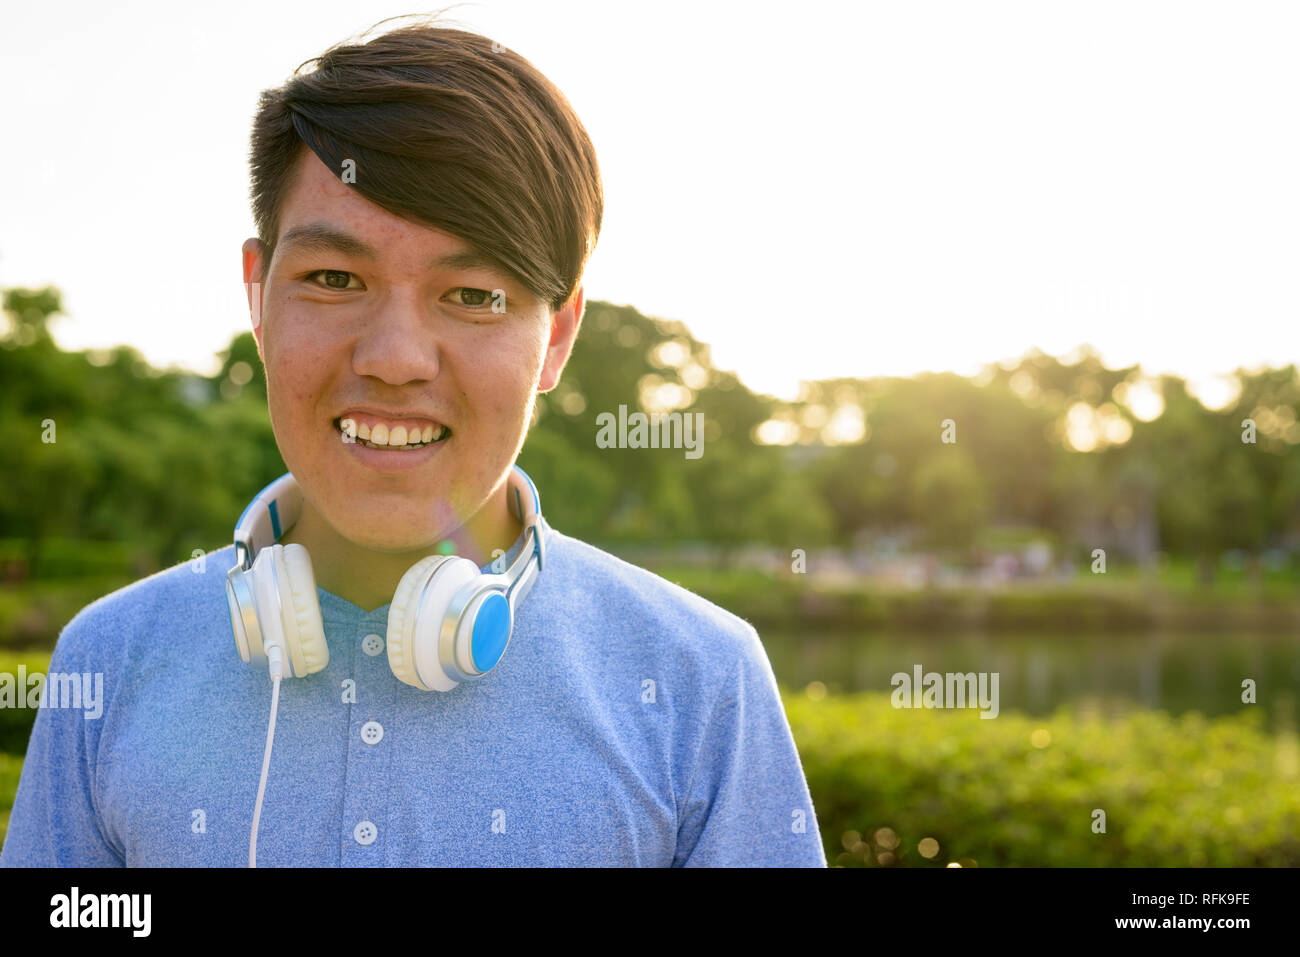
x=368 y=578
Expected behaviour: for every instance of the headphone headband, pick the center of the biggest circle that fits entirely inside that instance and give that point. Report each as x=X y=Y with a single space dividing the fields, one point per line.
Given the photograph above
x=269 y=515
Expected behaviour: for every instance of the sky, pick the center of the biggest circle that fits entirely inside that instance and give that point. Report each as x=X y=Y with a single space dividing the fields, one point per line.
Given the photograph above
x=817 y=189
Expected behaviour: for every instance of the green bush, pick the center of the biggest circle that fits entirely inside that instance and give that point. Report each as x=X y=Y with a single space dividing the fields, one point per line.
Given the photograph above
x=1177 y=791
x=71 y=558
x=16 y=723
x=11 y=767
x=32 y=614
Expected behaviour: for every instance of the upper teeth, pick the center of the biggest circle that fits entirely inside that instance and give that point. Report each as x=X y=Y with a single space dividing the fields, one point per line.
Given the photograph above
x=380 y=433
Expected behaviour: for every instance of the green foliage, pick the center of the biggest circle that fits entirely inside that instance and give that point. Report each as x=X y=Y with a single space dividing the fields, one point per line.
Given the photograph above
x=65 y=558
x=165 y=460
x=950 y=492
x=735 y=492
x=11 y=766
x=16 y=723
x=140 y=459
x=32 y=614
x=1182 y=791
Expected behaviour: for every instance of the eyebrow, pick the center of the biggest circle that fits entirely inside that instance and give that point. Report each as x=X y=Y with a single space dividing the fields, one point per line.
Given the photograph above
x=321 y=237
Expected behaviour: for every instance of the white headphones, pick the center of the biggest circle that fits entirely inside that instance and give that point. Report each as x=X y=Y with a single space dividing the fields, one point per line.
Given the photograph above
x=449 y=622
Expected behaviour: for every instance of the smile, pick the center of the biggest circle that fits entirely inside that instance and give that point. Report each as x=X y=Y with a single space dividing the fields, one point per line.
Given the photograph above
x=395 y=438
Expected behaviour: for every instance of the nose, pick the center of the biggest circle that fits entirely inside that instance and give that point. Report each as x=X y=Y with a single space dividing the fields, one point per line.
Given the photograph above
x=398 y=344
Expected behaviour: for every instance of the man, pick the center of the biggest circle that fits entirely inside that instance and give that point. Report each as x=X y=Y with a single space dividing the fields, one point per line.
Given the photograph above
x=426 y=203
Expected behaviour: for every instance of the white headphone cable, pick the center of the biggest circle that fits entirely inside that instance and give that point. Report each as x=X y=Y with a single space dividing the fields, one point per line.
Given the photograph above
x=276 y=661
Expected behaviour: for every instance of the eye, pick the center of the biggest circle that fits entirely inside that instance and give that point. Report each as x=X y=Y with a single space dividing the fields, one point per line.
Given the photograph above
x=468 y=296
x=334 y=278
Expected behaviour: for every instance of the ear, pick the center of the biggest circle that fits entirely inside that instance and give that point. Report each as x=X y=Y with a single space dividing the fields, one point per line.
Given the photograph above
x=254 y=271
x=564 y=332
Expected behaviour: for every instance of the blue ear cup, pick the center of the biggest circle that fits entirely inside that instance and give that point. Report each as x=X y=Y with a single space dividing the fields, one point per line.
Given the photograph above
x=448 y=623
x=475 y=629
x=489 y=621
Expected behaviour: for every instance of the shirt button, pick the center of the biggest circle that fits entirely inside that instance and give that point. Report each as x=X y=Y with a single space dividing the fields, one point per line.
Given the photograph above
x=372 y=732
x=365 y=833
x=372 y=645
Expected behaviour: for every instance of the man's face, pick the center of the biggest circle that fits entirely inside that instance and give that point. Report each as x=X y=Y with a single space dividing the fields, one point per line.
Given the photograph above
x=395 y=339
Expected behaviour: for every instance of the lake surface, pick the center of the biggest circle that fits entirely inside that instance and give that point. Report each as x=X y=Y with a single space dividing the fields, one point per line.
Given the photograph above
x=1177 y=673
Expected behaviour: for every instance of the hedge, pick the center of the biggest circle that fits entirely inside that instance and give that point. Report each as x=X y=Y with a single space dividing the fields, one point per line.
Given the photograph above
x=1017 y=790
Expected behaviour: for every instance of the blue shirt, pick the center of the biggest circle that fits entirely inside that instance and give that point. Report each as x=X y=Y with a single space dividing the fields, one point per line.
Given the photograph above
x=629 y=723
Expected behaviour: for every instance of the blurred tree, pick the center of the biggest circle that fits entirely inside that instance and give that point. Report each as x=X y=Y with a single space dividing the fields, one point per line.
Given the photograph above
x=949 y=499
x=166 y=460
x=242 y=371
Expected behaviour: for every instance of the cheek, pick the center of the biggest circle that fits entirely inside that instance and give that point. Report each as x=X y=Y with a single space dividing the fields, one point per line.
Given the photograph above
x=295 y=363
x=502 y=388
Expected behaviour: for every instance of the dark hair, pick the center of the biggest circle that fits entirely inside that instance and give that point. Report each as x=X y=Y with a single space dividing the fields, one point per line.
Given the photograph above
x=447 y=131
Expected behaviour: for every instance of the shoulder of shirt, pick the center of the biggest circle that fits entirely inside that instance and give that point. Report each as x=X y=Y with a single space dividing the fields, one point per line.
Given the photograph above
x=176 y=593
x=647 y=604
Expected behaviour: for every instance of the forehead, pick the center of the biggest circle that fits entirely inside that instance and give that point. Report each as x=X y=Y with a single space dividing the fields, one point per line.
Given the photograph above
x=318 y=194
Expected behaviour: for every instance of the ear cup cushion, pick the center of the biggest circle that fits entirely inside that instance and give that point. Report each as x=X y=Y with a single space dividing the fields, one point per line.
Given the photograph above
x=288 y=620
x=266 y=602
x=305 y=632
x=401 y=619
x=450 y=579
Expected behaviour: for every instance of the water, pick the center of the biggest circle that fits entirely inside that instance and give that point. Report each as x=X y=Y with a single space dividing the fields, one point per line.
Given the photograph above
x=1037 y=673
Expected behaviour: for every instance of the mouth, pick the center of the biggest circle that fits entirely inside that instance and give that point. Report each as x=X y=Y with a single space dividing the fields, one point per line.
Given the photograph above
x=398 y=439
